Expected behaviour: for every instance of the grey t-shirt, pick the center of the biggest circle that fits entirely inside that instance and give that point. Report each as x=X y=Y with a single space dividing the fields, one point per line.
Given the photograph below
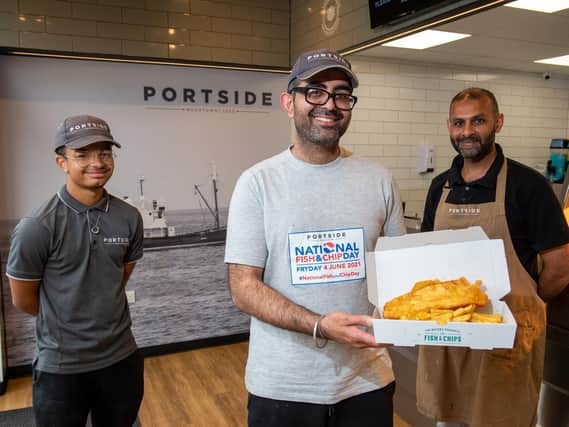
x=309 y=227
x=84 y=321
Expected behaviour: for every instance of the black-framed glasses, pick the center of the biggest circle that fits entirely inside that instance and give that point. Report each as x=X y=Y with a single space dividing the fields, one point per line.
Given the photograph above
x=83 y=158
x=318 y=96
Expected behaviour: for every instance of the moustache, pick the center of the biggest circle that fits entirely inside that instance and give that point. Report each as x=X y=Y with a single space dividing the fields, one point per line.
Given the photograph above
x=336 y=114
x=469 y=139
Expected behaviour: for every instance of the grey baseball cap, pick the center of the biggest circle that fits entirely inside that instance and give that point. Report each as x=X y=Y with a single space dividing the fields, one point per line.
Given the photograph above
x=80 y=131
x=311 y=63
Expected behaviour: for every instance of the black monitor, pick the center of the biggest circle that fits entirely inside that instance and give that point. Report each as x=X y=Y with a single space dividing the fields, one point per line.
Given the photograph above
x=383 y=12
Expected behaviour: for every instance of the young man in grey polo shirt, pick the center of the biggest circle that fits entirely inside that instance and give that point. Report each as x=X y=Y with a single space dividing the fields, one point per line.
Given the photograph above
x=68 y=265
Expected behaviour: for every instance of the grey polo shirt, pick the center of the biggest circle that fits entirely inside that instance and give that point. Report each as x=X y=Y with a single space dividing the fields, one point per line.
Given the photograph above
x=84 y=321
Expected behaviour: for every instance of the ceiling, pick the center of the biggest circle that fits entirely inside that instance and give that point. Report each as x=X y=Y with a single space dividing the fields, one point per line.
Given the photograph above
x=503 y=37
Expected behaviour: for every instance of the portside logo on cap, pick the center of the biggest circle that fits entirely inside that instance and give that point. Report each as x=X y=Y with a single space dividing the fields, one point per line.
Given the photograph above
x=79 y=131
x=86 y=125
x=328 y=55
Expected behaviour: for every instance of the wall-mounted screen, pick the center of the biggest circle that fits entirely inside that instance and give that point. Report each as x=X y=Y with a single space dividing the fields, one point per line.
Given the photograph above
x=382 y=12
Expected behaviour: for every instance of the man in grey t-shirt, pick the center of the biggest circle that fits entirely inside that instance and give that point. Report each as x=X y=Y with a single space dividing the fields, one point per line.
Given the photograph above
x=299 y=226
x=68 y=265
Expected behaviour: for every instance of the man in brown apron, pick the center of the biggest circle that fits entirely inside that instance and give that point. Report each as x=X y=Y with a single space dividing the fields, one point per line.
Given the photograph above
x=494 y=388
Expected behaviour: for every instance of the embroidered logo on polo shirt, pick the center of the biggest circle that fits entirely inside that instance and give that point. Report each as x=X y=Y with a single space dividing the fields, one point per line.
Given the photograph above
x=116 y=240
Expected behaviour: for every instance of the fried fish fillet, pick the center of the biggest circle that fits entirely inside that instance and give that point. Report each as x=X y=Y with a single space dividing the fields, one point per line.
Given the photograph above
x=433 y=299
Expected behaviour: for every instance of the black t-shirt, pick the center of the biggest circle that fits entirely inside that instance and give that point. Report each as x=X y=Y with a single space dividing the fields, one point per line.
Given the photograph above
x=534 y=215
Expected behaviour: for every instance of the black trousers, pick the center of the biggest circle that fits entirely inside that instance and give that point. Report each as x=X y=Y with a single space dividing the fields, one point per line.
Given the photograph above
x=112 y=395
x=372 y=409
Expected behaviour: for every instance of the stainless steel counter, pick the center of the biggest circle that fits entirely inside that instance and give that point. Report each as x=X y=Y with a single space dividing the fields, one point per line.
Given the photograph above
x=553 y=410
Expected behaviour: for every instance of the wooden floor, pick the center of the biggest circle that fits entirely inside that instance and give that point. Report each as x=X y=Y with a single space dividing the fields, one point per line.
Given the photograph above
x=196 y=388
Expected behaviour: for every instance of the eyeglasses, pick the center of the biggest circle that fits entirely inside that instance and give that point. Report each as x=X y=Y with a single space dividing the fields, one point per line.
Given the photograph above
x=83 y=158
x=317 y=96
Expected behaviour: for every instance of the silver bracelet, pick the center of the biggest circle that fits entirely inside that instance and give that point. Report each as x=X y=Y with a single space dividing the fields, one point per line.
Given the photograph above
x=319 y=341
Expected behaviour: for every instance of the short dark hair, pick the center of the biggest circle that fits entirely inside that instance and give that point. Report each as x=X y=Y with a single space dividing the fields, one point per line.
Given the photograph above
x=477 y=93
x=60 y=151
x=293 y=83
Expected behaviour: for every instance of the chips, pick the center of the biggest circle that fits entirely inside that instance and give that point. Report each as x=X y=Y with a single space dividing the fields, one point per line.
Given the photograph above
x=443 y=302
x=486 y=318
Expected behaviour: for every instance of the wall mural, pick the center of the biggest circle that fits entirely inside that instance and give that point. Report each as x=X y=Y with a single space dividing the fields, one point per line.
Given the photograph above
x=187 y=134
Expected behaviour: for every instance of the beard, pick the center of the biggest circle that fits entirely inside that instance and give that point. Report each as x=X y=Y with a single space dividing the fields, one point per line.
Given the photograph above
x=480 y=146
x=325 y=136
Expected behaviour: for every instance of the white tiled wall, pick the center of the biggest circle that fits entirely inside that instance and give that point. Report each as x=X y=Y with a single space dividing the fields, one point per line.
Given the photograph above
x=235 y=31
x=402 y=105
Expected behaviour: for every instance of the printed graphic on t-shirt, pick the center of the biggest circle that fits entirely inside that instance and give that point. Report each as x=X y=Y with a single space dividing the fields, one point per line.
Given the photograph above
x=327 y=256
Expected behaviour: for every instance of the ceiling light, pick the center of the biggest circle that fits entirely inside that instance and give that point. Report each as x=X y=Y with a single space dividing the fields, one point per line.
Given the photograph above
x=426 y=39
x=558 y=60
x=548 y=6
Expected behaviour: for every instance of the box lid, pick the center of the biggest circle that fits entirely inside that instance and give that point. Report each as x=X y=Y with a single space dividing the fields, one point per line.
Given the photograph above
x=430 y=238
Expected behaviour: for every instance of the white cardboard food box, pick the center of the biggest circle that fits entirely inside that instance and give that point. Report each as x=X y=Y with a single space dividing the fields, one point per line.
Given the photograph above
x=399 y=262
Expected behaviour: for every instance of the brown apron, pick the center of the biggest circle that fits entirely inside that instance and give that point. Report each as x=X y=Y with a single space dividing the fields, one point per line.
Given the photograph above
x=487 y=388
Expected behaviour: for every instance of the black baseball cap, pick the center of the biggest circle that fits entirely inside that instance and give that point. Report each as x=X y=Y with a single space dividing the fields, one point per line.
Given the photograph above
x=79 y=131
x=311 y=63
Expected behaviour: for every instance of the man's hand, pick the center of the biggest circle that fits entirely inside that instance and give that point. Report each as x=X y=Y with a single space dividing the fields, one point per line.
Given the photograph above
x=346 y=328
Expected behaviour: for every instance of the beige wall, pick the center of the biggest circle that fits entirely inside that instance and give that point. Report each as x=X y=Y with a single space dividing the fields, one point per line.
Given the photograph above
x=402 y=105
x=234 y=31
x=308 y=31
